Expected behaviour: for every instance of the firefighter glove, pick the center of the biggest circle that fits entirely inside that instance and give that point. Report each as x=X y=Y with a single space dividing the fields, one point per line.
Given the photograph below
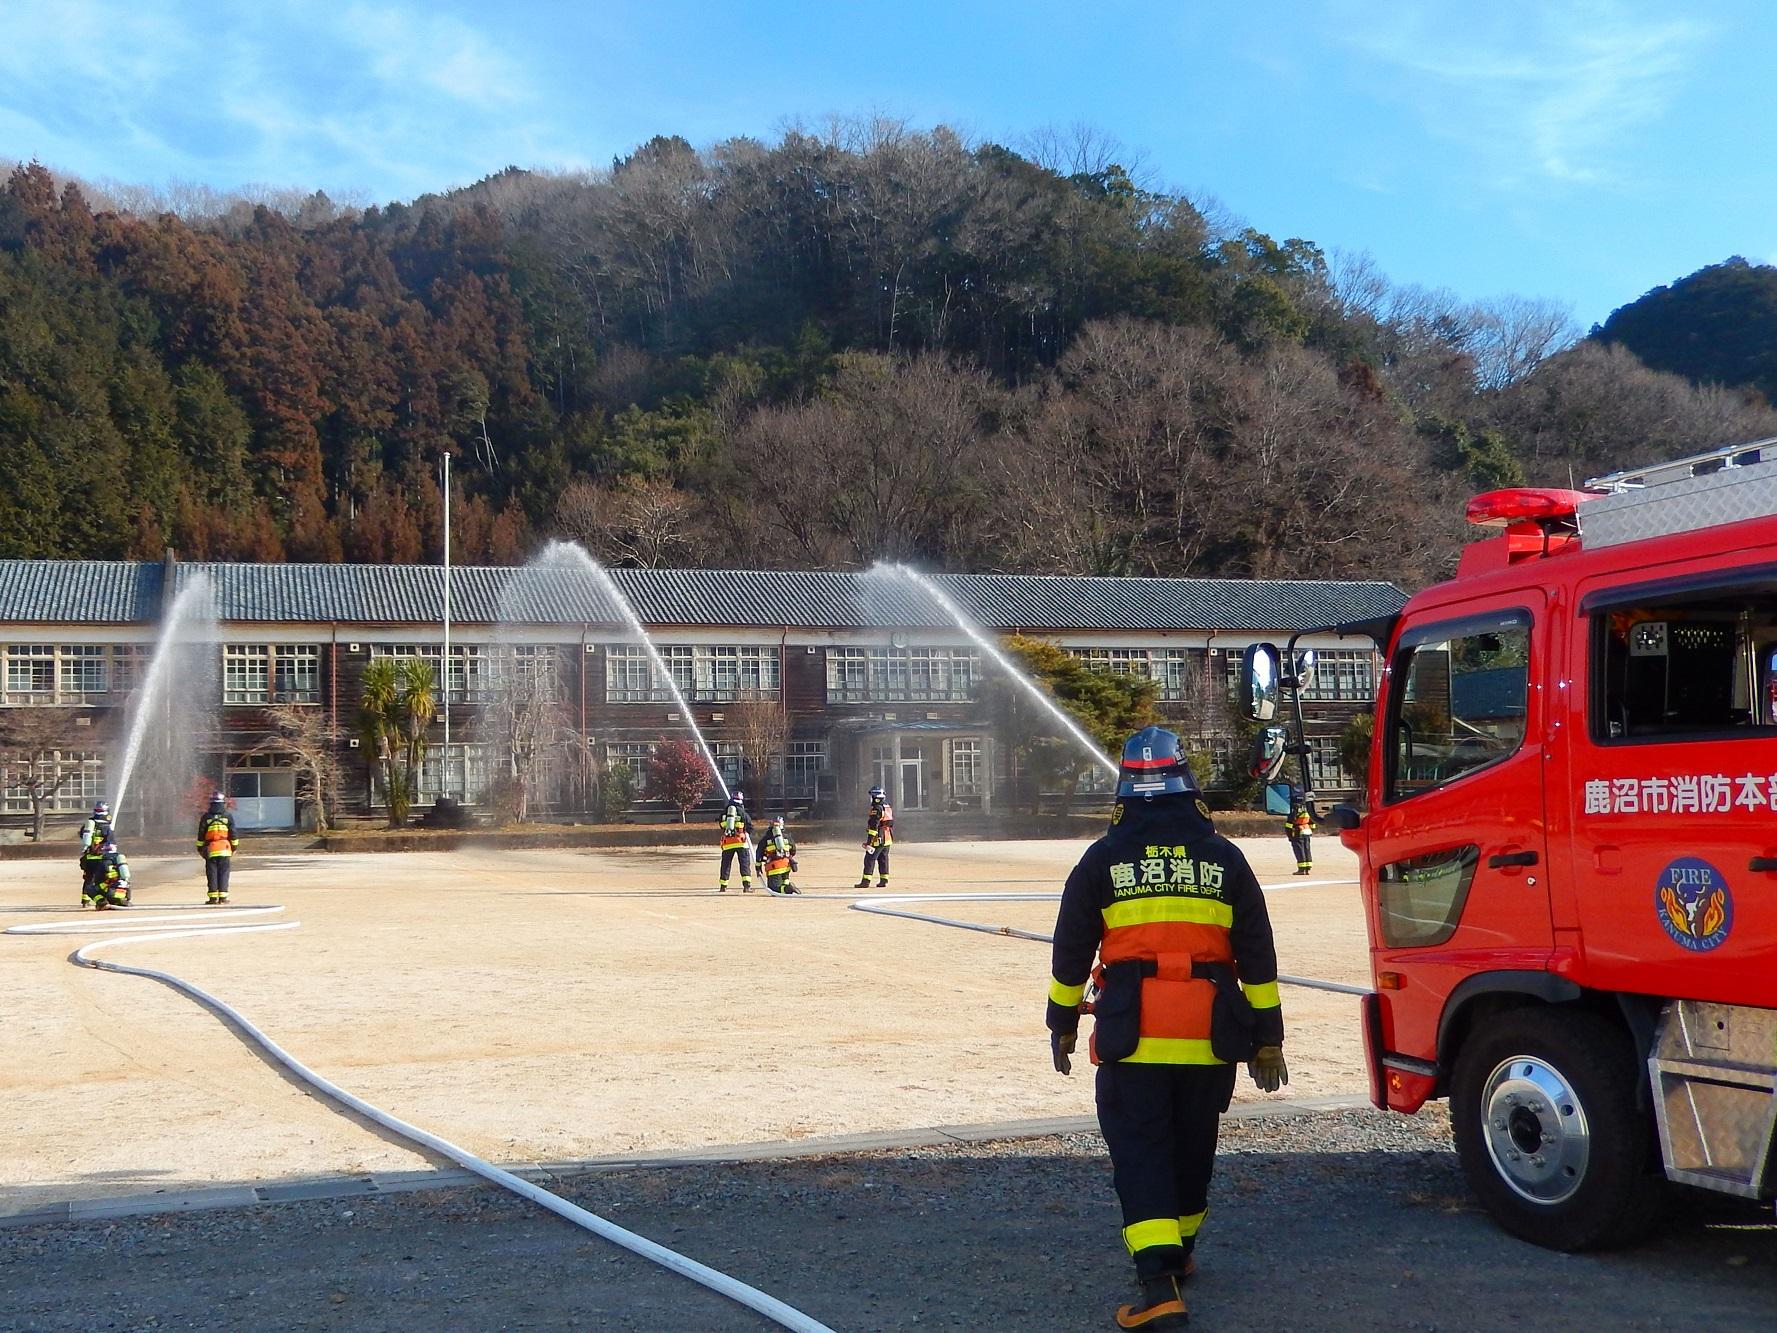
x=1268 y=1069
x=1061 y=1046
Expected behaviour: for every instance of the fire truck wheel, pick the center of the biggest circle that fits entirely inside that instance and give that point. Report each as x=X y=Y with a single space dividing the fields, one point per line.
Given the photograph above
x=1551 y=1137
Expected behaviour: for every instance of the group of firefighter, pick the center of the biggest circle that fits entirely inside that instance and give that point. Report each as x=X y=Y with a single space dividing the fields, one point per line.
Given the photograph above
x=775 y=853
x=105 y=871
x=1162 y=935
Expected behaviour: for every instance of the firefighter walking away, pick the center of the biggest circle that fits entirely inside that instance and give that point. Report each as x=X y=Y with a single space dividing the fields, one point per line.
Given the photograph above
x=735 y=836
x=879 y=836
x=1299 y=828
x=216 y=842
x=1186 y=990
x=94 y=834
x=777 y=858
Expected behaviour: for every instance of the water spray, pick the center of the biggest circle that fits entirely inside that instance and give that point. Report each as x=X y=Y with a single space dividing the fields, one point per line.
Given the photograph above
x=558 y=554
x=190 y=609
x=986 y=645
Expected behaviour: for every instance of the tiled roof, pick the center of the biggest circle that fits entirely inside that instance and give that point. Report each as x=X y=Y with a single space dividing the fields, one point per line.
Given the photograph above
x=78 y=591
x=118 y=592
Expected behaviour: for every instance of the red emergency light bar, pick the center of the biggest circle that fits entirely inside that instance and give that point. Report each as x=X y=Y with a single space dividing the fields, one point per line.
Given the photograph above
x=1519 y=504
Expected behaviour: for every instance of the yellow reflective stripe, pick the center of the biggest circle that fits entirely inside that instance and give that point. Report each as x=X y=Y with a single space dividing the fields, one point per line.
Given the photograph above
x=1188 y=1226
x=1146 y=1235
x=1262 y=994
x=1065 y=995
x=1173 y=1051
x=1168 y=907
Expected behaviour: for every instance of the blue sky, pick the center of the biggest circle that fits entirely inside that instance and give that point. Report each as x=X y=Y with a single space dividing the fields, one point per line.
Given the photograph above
x=1578 y=150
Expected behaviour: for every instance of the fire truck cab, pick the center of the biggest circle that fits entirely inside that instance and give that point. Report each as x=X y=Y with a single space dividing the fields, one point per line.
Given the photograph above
x=1569 y=850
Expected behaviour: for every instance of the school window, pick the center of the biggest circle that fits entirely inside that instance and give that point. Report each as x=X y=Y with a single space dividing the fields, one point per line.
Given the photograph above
x=1342 y=673
x=729 y=762
x=1697 y=665
x=633 y=755
x=30 y=673
x=470 y=669
x=804 y=762
x=967 y=769
x=1326 y=767
x=83 y=672
x=296 y=673
x=258 y=673
x=462 y=773
x=1116 y=661
x=246 y=673
x=1178 y=672
x=718 y=673
x=902 y=675
x=129 y=664
x=78 y=777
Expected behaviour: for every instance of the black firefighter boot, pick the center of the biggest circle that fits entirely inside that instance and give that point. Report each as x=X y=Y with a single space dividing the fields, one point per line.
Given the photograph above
x=1161 y=1305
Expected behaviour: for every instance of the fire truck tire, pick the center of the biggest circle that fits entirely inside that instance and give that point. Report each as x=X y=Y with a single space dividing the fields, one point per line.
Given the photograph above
x=1550 y=1131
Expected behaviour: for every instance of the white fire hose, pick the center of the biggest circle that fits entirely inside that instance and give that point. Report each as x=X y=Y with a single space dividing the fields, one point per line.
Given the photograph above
x=777 y=1311
x=880 y=906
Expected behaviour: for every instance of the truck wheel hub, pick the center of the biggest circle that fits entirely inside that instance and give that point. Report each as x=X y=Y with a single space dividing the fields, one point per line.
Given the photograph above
x=1535 y=1129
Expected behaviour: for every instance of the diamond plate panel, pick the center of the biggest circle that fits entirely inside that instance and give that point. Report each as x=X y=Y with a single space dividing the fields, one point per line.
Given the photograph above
x=1729 y=496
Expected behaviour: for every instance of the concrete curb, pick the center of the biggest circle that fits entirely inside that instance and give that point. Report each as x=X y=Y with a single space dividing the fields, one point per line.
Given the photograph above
x=400 y=1182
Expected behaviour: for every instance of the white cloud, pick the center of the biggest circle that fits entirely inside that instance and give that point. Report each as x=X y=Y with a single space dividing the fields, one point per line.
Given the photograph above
x=1536 y=91
x=386 y=96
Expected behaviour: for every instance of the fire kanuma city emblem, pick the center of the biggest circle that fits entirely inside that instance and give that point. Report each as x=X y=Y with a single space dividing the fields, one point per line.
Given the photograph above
x=1694 y=903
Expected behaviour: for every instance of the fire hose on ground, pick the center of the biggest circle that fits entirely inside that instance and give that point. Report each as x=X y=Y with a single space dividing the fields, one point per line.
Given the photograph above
x=879 y=906
x=777 y=1311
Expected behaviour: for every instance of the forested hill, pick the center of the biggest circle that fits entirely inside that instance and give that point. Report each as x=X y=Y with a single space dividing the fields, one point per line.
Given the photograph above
x=868 y=343
x=1717 y=326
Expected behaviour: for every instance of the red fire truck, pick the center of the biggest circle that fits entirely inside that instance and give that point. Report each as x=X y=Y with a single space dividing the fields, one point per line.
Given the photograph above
x=1569 y=854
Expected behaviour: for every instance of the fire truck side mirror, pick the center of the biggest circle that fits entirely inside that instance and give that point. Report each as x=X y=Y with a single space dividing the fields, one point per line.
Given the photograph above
x=1260 y=673
x=1345 y=818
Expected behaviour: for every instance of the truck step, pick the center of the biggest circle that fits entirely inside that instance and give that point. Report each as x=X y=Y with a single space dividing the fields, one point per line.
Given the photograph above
x=1715 y=1096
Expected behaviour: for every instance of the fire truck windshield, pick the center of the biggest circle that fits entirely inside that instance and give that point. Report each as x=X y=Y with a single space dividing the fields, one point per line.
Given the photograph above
x=1459 y=703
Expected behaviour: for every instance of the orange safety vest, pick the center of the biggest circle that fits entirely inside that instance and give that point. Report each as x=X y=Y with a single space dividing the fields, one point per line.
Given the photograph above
x=214 y=838
x=881 y=827
x=777 y=856
x=1175 y=930
x=734 y=832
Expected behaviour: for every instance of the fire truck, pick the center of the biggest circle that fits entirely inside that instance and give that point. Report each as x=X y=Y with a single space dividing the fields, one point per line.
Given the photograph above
x=1569 y=848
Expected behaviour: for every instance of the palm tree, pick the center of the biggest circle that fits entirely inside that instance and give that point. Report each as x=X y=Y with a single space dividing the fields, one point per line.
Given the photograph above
x=399 y=704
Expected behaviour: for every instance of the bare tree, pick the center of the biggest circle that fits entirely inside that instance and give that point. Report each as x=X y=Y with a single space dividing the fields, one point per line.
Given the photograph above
x=306 y=735
x=525 y=719
x=34 y=743
x=762 y=725
x=644 y=523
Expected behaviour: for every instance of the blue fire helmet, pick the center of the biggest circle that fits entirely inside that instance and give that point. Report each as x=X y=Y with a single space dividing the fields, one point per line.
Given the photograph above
x=109 y=848
x=878 y=794
x=101 y=809
x=1154 y=765
x=738 y=796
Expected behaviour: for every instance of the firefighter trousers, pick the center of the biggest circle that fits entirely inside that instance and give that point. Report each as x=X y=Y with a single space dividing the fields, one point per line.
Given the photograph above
x=877 y=858
x=1299 y=844
x=216 y=876
x=746 y=864
x=1160 y=1124
x=89 y=874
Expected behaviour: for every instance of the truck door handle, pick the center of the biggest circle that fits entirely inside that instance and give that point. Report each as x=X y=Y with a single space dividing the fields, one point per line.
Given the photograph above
x=1766 y=863
x=1500 y=860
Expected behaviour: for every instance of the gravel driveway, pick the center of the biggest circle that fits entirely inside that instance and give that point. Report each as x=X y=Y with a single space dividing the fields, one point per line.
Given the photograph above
x=1333 y=1220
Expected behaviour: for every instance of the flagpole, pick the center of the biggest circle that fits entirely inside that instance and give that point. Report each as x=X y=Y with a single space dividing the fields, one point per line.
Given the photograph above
x=445 y=773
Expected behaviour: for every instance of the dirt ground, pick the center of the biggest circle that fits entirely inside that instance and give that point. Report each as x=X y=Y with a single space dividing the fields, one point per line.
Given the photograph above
x=543 y=1006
